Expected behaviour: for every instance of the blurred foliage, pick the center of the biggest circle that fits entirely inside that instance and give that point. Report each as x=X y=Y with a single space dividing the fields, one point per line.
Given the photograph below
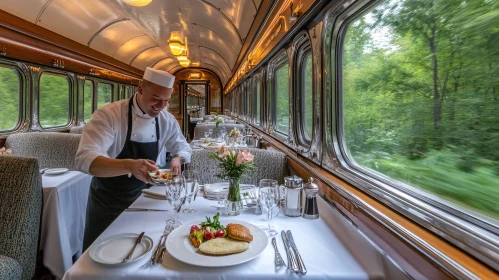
x=421 y=100
x=9 y=98
x=282 y=98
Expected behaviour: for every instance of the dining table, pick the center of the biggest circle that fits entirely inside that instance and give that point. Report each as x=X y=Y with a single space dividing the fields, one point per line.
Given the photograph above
x=330 y=247
x=65 y=199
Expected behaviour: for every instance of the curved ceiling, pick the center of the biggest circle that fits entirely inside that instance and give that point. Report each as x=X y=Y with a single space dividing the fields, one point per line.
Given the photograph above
x=215 y=30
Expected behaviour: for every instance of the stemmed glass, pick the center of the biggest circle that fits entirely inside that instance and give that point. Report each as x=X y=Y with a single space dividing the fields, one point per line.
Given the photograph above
x=175 y=194
x=268 y=196
x=191 y=185
x=210 y=131
x=206 y=134
x=223 y=133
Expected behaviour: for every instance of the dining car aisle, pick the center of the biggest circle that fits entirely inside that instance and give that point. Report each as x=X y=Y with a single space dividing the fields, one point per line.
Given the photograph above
x=65 y=199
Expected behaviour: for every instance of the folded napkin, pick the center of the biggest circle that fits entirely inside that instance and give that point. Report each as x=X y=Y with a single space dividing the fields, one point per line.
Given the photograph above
x=155 y=193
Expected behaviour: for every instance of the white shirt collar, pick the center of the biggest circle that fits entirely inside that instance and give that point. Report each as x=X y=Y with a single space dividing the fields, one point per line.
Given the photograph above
x=136 y=109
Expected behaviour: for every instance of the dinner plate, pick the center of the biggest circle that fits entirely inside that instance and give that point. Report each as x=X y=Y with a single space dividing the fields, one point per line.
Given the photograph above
x=179 y=246
x=158 y=179
x=111 y=250
x=56 y=171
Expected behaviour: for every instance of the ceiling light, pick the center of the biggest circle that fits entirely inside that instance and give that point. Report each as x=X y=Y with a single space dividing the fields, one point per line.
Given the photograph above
x=194 y=75
x=185 y=63
x=137 y=3
x=195 y=64
x=175 y=43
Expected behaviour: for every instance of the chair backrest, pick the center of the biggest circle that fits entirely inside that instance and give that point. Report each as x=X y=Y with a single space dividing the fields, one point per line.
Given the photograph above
x=76 y=129
x=52 y=149
x=20 y=211
x=269 y=165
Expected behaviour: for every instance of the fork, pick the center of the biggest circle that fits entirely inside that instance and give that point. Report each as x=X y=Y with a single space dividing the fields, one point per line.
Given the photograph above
x=153 y=260
x=278 y=261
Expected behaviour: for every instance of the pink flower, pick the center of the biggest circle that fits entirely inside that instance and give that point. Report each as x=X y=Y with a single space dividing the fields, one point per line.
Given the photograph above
x=5 y=152
x=223 y=152
x=244 y=157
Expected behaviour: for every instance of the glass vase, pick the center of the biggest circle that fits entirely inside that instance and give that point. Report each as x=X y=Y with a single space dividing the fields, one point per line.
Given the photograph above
x=233 y=204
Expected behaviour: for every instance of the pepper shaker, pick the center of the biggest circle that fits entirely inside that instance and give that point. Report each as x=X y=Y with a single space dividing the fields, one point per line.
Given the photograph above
x=311 y=210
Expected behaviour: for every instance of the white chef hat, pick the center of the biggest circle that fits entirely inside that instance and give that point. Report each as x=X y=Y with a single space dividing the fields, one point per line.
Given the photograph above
x=159 y=77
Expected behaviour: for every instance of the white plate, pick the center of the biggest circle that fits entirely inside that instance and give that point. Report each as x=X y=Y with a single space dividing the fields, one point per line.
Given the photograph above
x=179 y=246
x=56 y=171
x=158 y=179
x=113 y=249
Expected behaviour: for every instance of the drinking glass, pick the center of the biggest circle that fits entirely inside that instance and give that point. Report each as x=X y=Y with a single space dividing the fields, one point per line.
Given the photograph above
x=223 y=133
x=211 y=132
x=175 y=191
x=206 y=134
x=268 y=196
x=191 y=185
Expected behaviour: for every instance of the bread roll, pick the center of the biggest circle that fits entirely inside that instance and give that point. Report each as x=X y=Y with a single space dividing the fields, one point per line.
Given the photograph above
x=223 y=246
x=239 y=232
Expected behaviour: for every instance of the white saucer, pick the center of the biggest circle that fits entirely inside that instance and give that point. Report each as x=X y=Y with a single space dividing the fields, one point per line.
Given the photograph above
x=56 y=171
x=111 y=250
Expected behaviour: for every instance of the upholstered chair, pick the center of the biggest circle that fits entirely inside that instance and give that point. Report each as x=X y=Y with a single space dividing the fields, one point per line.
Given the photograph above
x=76 y=129
x=269 y=165
x=52 y=149
x=20 y=214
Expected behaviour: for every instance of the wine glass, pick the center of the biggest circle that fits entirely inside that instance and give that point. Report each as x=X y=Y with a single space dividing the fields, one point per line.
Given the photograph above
x=191 y=185
x=175 y=194
x=268 y=196
x=206 y=134
x=223 y=133
x=210 y=131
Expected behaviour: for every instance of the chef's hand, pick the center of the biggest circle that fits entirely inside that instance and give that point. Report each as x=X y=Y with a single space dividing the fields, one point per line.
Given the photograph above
x=140 y=169
x=176 y=164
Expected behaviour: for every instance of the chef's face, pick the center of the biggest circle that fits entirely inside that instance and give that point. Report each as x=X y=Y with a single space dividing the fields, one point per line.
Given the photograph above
x=153 y=98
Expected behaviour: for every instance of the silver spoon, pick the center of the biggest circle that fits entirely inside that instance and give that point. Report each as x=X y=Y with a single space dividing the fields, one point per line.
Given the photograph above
x=139 y=239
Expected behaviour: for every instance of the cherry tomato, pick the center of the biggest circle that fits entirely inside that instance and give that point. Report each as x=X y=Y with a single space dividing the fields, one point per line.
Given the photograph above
x=194 y=228
x=220 y=233
x=208 y=235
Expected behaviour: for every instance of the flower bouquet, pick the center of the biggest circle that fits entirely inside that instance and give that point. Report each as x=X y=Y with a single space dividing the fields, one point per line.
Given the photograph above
x=217 y=120
x=5 y=152
x=233 y=164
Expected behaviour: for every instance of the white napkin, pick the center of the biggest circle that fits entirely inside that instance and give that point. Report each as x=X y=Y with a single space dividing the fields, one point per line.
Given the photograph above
x=155 y=193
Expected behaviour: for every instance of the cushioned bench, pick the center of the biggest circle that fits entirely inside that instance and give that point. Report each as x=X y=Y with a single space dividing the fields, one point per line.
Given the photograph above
x=20 y=213
x=52 y=149
x=269 y=165
x=76 y=129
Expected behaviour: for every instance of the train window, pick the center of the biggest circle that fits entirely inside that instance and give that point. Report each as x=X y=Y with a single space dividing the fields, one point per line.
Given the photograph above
x=10 y=98
x=420 y=100
x=104 y=94
x=88 y=100
x=307 y=105
x=54 y=100
x=282 y=98
x=257 y=98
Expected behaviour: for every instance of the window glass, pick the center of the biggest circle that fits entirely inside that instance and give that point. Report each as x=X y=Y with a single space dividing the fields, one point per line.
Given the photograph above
x=9 y=98
x=257 y=110
x=282 y=99
x=420 y=97
x=54 y=100
x=307 y=106
x=104 y=94
x=88 y=99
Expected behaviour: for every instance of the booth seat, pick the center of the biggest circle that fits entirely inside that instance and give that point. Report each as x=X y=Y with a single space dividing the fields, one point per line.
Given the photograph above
x=76 y=129
x=269 y=165
x=20 y=214
x=52 y=149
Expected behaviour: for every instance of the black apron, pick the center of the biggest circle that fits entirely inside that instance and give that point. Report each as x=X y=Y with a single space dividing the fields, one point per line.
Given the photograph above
x=110 y=196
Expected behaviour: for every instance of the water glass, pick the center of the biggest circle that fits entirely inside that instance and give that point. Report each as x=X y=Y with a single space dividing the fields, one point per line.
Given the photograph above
x=269 y=197
x=192 y=186
x=175 y=191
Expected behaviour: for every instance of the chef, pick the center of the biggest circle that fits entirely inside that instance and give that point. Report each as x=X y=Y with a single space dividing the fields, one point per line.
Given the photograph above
x=120 y=145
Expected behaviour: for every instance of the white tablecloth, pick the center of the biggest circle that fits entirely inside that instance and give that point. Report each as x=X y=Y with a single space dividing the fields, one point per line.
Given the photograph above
x=328 y=246
x=65 y=199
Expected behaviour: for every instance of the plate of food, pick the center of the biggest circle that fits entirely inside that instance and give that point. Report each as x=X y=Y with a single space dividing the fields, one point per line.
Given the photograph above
x=161 y=176
x=215 y=243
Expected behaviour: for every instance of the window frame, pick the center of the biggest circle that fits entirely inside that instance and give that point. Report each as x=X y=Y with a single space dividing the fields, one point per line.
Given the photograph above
x=278 y=62
x=303 y=48
x=465 y=230
x=23 y=94
x=71 y=97
x=96 y=92
x=257 y=99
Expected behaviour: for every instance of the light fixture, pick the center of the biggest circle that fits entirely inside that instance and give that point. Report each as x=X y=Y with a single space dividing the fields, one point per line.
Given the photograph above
x=194 y=75
x=185 y=63
x=195 y=64
x=137 y=3
x=175 y=43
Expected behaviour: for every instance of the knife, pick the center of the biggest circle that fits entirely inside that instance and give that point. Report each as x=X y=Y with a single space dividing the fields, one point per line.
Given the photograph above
x=137 y=241
x=142 y=209
x=301 y=265
x=291 y=259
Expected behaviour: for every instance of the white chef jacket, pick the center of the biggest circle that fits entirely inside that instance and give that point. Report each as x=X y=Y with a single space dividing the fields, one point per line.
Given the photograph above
x=105 y=134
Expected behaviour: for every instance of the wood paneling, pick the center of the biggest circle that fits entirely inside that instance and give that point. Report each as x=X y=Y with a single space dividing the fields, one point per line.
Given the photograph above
x=26 y=41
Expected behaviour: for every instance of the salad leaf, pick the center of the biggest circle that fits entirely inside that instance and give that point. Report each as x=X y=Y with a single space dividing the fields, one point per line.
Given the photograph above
x=215 y=224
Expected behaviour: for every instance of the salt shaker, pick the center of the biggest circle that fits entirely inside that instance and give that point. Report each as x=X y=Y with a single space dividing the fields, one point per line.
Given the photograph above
x=293 y=187
x=311 y=211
